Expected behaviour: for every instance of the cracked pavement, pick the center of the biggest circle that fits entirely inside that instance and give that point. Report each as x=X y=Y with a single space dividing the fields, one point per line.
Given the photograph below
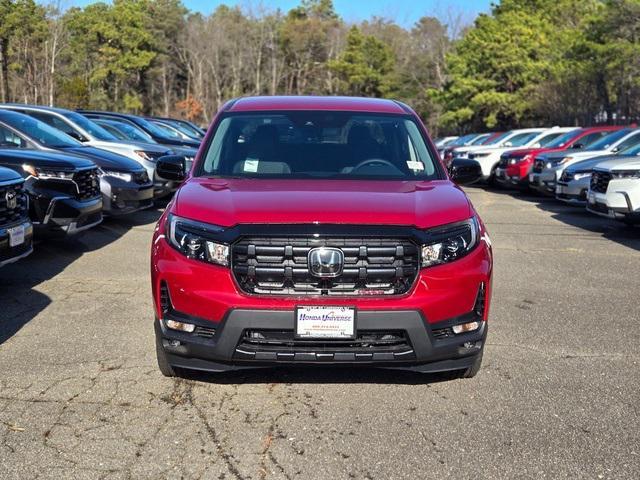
x=557 y=397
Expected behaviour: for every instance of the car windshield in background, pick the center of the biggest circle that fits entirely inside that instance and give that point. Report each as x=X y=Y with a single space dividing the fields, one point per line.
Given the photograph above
x=496 y=140
x=153 y=128
x=562 y=140
x=41 y=132
x=522 y=139
x=319 y=144
x=90 y=127
x=632 y=150
x=606 y=142
x=547 y=139
x=130 y=132
x=481 y=139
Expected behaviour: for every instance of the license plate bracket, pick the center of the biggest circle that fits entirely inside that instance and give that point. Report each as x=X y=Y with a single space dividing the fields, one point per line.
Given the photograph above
x=16 y=235
x=325 y=322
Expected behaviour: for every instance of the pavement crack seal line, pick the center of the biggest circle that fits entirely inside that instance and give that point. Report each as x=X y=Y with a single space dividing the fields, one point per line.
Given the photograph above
x=187 y=395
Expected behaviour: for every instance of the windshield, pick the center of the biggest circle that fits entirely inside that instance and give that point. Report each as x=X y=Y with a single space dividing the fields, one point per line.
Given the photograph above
x=318 y=144
x=41 y=133
x=605 y=142
x=90 y=127
x=562 y=140
x=522 y=139
x=497 y=139
x=481 y=139
x=632 y=150
x=465 y=139
x=131 y=132
x=168 y=130
x=186 y=129
x=150 y=127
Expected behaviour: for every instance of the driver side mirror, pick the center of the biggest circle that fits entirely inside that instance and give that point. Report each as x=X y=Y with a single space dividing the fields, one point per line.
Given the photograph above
x=465 y=172
x=507 y=144
x=171 y=167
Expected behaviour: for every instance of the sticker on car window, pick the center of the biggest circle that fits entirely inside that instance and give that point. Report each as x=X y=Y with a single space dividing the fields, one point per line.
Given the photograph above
x=415 y=165
x=251 y=165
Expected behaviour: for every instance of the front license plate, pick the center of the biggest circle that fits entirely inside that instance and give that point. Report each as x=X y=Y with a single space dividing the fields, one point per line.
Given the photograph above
x=531 y=179
x=500 y=173
x=16 y=236
x=325 y=322
x=592 y=198
x=558 y=188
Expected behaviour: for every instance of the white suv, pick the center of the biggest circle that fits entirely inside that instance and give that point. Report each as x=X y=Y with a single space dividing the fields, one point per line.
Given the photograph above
x=489 y=157
x=614 y=191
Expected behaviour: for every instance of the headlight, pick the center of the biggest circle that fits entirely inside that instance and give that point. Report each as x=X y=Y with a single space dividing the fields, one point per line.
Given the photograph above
x=626 y=174
x=565 y=160
x=549 y=165
x=450 y=242
x=527 y=158
x=127 y=177
x=581 y=175
x=513 y=161
x=47 y=173
x=195 y=240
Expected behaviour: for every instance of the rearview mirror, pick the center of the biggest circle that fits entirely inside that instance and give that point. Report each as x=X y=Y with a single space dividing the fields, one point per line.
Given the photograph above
x=577 y=146
x=507 y=144
x=171 y=167
x=465 y=172
x=536 y=145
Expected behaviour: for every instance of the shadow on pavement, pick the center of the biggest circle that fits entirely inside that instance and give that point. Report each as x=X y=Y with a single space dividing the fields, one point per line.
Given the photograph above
x=315 y=374
x=20 y=301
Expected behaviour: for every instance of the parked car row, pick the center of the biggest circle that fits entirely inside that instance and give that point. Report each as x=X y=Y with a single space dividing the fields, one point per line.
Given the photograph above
x=61 y=172
x=597 y=167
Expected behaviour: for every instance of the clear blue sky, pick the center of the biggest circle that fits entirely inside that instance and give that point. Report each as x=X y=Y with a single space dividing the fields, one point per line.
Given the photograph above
x=405 y=12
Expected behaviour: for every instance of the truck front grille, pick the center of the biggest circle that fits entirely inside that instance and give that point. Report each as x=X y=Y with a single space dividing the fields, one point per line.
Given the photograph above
x=600 y=181
x=538 y=166
x=88 y=183
x=14 y=204
x=279 y=266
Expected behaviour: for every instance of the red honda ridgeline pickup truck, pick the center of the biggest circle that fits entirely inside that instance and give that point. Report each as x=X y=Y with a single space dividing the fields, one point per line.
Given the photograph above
x=319 y=230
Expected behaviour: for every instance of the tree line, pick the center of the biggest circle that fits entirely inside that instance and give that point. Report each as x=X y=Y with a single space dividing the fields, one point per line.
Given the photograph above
x=526 y=62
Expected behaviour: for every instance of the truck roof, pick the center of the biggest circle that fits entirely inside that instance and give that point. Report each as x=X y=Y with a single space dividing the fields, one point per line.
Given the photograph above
x=352 y=104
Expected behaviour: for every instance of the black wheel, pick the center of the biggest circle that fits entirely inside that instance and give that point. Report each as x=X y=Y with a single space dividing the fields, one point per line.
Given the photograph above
x=468 y=372
x=472 y=371
x=163 y=364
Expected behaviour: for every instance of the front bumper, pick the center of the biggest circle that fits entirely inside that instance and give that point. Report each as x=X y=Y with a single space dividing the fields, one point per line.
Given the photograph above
x=620 y=202
x=544 y=182
x=64 y=215
x=120 y=197
x=10 y=254
x=427 y=348
x=573 y=192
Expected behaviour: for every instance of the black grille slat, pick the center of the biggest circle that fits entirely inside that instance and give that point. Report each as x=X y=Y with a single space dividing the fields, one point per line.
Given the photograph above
x=88 y=184
x=600 y=181
x=278 y=265
x=8 y=215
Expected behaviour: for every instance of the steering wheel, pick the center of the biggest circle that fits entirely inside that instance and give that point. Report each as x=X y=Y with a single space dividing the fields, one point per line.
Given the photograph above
x=373 y=161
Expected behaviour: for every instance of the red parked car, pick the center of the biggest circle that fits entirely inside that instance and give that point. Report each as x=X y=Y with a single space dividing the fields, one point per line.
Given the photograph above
x=515 y=165
x=319 y=230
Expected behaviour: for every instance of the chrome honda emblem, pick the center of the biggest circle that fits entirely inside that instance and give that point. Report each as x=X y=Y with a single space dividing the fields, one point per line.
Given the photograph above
x=12 y=199
x=325 y=262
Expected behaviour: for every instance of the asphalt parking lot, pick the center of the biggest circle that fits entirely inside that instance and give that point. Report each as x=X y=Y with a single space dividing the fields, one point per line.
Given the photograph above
x=558 y=395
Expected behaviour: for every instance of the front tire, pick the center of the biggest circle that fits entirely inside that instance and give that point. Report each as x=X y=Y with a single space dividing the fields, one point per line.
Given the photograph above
x=163 y=363
x=468 y=372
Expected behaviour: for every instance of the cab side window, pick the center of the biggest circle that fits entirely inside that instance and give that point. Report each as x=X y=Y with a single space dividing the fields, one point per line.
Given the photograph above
x=8 y=139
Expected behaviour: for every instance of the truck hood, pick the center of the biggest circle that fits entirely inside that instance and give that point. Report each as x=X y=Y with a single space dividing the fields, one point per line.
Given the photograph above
x=620 y=162
x=105 y=159
x=227 y=202
x=44 y=159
